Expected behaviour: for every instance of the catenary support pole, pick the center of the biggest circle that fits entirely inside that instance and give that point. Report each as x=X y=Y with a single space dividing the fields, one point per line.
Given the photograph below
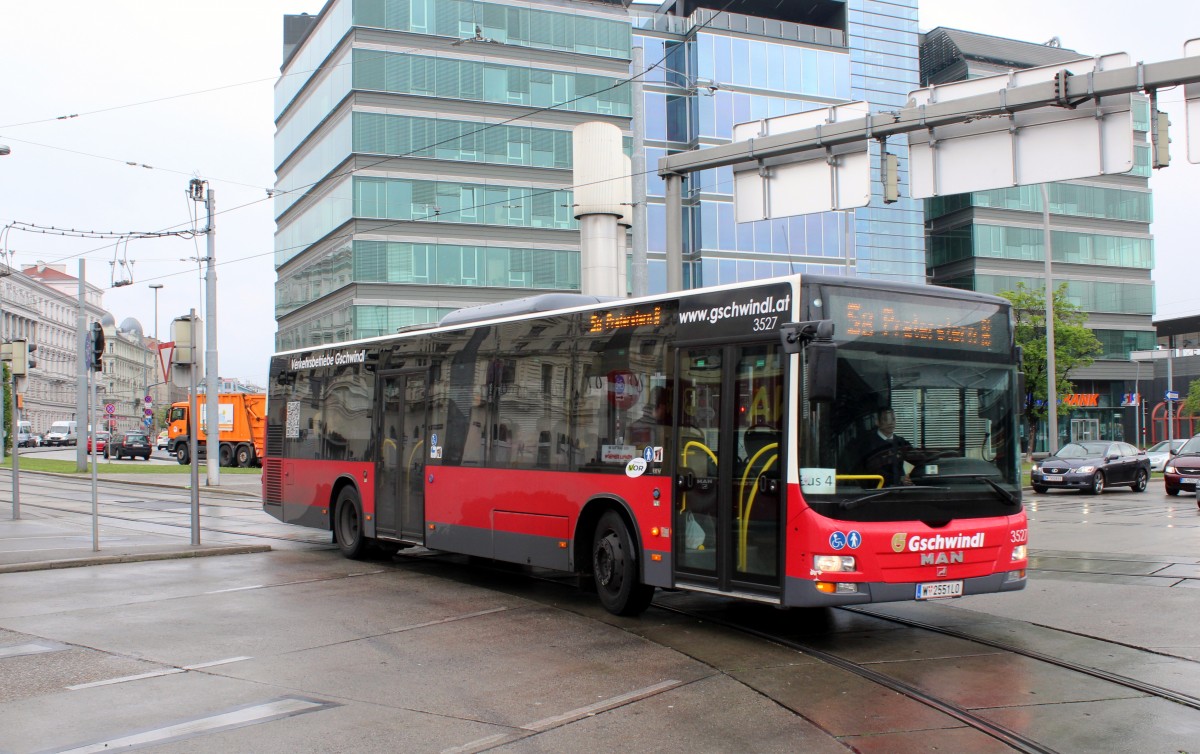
x=1051 y=373
x=638 y=272
x=83 y=373
x=674 y=232
x=211 y=404
x=193 y=442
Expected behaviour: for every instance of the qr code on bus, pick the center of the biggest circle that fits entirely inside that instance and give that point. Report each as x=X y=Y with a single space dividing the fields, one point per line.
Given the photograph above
x=293 y=420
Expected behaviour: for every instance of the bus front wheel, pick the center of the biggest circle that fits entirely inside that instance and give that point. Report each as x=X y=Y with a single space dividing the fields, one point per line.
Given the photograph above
x=615 y=570
x=347 y=525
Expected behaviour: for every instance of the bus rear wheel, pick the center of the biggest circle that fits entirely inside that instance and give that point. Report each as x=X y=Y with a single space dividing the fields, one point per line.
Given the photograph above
x=347 y=525
x=614 y=568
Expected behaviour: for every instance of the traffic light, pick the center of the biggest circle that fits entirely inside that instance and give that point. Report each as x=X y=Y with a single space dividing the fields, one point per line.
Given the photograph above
x=20 y=357
x=97 y=341
x=1162 y=139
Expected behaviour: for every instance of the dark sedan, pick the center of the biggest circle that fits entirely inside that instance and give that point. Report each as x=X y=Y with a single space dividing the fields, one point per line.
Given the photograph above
x=1091 y=466
x=1182 y=472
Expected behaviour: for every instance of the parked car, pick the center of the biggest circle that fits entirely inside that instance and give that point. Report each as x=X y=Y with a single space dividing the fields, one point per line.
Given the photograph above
x=161 y=442
x=132 y=444
x=101 y=442
x=26 y=438
x=1091 y=466
x=1183 y=471
x=1161 y=452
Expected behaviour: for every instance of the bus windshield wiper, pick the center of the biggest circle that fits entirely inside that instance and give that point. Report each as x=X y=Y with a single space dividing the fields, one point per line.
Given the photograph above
x=852 y=504
x=1004 y=494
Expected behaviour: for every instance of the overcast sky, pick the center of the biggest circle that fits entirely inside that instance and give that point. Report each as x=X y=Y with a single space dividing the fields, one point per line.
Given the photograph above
x=125 y=67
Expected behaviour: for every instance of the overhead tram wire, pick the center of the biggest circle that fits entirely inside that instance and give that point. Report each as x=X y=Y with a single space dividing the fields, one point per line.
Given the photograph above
x=210 y=90
x=532 y=112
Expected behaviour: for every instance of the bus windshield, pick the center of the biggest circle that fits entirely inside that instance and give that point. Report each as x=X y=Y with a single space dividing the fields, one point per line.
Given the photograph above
x=923 y=427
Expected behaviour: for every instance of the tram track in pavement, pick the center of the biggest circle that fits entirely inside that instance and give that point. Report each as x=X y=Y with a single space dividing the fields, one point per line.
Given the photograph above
x=1048 y=684
x=164 y=500
x=967 y=717
x=1150 y=689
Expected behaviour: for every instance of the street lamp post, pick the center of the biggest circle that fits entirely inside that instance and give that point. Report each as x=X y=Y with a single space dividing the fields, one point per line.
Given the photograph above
x=156 y=287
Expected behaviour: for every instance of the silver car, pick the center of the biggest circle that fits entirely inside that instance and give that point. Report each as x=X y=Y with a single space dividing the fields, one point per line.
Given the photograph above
x=1161 y=452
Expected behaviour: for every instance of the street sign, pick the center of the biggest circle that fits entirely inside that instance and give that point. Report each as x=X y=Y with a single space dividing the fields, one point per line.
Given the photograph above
x=1052 y=143
x=146 y=421
x=110 y=408
x=1172 y=395
x=149 y=400
x=801 y=184
x=148 y=412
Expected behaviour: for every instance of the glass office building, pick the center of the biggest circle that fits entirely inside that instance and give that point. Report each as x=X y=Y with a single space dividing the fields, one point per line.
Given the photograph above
x=991 y=241
x=423 y=148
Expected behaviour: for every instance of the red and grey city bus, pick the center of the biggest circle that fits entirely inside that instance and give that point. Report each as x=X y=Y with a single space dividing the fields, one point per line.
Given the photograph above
x=714 y=440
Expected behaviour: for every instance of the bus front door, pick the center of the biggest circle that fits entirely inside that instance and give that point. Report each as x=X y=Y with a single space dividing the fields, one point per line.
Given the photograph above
x=729 y=449
x=399 y=481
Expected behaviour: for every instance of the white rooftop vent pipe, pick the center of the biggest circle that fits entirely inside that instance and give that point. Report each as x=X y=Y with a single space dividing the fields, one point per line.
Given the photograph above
x=602 y=200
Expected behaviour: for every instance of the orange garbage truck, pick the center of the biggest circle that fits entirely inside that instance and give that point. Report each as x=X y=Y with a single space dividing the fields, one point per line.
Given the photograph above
x=242 y=422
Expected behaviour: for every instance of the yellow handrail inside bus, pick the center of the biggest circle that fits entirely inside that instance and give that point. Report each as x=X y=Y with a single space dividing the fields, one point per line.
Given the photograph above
x=745 y=506
x=861 y=478
x=683 y=463
x=408 y=464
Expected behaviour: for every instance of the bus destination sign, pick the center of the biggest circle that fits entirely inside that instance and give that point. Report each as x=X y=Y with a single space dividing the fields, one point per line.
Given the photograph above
x=918 y=321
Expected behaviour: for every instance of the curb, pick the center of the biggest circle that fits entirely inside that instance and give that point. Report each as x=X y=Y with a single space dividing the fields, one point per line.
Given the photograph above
x=47 y=565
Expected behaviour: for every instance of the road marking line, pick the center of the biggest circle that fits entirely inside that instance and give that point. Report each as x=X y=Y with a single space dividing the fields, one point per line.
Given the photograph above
x=111 y=681
x=214 y=663
x=601 y=706
x=33 y=648
x=258 y=713
x=566 y=717
x=449 y=620
x=236 y=589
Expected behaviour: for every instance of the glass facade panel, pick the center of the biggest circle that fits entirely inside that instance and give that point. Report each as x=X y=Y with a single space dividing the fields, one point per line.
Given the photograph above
x=1008 y=242
x=1118 y=344
x=457 y=265
x=507 y=24
x=1088 y=295
x=320 y=42
x=443 y=202
x=1065 y=199
x=314 y=222
x=449 y=78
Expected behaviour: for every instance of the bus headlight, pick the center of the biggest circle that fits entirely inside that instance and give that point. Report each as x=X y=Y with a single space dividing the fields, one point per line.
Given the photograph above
x=833 y=563
x=1018 y=553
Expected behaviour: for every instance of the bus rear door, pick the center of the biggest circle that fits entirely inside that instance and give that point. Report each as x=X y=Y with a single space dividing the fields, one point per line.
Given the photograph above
x=728 y=509
x=399 y=480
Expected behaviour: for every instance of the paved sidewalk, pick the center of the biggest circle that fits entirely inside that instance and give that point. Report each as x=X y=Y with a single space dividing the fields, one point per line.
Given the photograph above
x=40 y=540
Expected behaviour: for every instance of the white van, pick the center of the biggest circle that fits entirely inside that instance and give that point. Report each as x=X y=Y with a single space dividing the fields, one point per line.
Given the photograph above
x=25 y=436
x=62 y=433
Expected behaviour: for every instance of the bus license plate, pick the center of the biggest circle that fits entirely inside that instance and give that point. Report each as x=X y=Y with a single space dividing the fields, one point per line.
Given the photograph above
x=937 y=589
x=1050 y=478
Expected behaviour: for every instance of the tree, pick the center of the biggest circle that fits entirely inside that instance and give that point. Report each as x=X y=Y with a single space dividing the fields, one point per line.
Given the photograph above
x=1074 y=346
x=1191 y=404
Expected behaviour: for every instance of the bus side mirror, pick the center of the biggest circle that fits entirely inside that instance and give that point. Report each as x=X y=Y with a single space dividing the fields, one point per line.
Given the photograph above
x=815 y=339
x=822 y=370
